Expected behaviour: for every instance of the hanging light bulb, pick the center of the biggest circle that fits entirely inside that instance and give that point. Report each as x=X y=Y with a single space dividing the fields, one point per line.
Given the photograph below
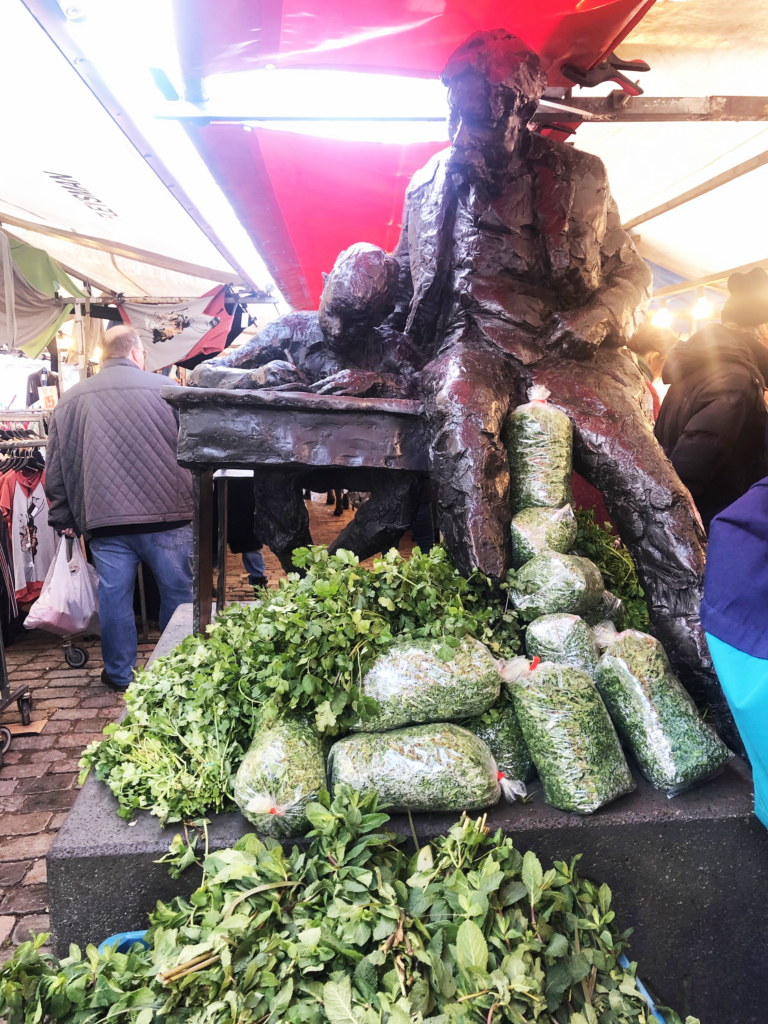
x=662 y=317
x=703 y=308
x=96 y=357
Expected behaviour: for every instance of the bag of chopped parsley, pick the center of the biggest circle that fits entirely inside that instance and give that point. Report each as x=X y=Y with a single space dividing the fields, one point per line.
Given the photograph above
x=421 y=681
x=540 y=529
x=438 y=767
x=539 y=443
x=571 y=738
x=500 y=730
x=282 y=771
x=655 y=715
x=552 y=582
x=610 y=608
x=564 y=639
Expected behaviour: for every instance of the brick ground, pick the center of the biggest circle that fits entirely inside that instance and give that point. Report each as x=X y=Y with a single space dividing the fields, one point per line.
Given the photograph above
x=38 y=783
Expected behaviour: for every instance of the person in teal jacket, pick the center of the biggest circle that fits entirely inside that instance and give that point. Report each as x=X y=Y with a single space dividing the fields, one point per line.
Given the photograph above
x=734 y=613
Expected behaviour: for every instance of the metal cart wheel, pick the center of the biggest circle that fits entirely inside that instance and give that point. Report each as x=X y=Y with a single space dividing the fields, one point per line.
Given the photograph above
x=75 y=657
x=5 y=742
x=24 y=704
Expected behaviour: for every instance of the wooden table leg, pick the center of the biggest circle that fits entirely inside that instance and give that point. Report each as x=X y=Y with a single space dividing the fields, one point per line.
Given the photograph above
x=221 y=583
x=202 y=548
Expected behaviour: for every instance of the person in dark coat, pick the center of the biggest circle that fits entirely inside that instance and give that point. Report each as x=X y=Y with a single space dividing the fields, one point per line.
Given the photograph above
x=650 y=347
x=713 y=420
x=733 y=614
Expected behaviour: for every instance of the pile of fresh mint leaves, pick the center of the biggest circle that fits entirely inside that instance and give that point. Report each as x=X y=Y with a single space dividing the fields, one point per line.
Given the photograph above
x=353 y=931
x=304 y=648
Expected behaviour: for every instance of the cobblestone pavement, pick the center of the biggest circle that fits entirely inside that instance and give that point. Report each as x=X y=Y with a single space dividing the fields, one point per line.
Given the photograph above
x=38 y=783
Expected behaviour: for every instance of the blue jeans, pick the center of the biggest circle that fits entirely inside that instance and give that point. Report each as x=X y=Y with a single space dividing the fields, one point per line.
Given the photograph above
x=744 y=680
x=168 y=553
x=253 y=562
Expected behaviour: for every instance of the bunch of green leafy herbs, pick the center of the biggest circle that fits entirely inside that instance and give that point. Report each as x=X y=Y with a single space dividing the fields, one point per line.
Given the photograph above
x=353 y=931
x=571 y=738
x=435 y=767
x=616 y=566
x=654 y=715
x=412 y=684
x=305 y=647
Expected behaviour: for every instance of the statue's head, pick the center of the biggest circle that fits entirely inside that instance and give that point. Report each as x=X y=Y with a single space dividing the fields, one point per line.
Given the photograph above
x=358 y=294
x=494 y=81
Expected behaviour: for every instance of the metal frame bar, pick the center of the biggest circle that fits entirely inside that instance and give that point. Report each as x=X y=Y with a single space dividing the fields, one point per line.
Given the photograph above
x=699 y=282
x=700 y=190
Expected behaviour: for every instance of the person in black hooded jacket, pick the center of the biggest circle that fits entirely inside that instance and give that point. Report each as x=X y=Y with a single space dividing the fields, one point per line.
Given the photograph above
x=712 y=423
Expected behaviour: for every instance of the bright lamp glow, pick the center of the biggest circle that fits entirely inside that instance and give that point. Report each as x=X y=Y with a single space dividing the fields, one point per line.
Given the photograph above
x=662 y=318
x=96 y=355
x=703 y=309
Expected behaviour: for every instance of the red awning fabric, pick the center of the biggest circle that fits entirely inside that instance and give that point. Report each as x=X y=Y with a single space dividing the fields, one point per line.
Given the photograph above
x=303 y=199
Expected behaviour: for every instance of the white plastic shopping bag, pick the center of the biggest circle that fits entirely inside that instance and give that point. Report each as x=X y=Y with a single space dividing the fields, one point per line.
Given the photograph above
x=67 y=602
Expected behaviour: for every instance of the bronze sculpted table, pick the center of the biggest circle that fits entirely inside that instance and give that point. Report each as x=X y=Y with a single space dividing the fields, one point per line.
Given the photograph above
x=323 y=441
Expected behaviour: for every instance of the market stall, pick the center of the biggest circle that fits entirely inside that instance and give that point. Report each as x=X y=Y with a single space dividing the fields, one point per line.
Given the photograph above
x=505 y=679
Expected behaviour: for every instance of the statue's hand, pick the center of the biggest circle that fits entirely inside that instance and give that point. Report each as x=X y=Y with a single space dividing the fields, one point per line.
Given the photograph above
x=577 y=333
x=346 y=382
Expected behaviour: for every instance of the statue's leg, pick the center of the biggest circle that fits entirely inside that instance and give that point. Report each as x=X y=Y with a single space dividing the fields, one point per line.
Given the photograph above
x=281 y=519
x=467 y=395
x=383 y=519
x=614 y=448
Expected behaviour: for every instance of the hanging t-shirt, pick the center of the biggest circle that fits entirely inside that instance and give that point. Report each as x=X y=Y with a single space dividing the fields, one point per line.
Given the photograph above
x=32 y=540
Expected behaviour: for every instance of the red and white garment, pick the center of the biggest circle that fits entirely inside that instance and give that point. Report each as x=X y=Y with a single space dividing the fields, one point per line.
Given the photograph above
x=32 y=540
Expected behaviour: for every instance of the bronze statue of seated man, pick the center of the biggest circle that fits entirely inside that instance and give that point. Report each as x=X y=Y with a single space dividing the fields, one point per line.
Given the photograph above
x=339 y=350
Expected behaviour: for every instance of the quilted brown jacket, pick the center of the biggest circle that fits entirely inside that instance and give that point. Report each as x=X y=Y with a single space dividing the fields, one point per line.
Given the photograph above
x=111 y=456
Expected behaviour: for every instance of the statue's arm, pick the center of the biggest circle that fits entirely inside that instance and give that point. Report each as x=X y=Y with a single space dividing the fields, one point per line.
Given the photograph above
x=397 y=320
x=628 y=279
x=617 y=308
x=253 y=353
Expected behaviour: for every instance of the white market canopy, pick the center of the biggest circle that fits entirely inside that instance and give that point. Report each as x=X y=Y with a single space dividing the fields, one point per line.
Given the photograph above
x=73 y=184
x=695 y=48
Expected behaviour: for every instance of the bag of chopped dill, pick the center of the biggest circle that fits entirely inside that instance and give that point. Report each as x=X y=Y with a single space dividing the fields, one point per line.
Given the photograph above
x=283 y=770
x=500 y=730
x=438 y=767
x=655 y=715
x=571 y=738
x=540 y=529
x=539 y=443
x=423 y=681
x=552 y=582
x=564 y=639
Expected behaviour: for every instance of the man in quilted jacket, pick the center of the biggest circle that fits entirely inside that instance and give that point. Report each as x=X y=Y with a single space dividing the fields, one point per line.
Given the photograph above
x=112 y=476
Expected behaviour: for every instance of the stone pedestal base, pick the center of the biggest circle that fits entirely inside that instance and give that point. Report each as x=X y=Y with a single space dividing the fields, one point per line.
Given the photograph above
x=688 y=874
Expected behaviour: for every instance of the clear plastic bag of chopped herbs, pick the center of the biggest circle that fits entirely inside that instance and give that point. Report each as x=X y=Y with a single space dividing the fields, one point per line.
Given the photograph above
x=610 y=608
x=283 y=770
x=564 y=639
x=438 y=767
x=655 y=715
x=552 y=582
x=539 y=529
x=571 y=738
x=539 y=443
x=423 y=681
x=500 y=730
